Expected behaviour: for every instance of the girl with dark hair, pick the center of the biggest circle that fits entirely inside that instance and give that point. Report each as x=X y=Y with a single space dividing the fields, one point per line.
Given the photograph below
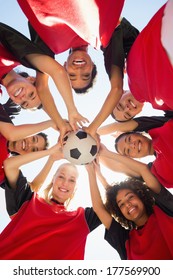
x=31 y=92
x=138 y=216
x=139 y=124
x=115 y=55
x=133 y=144
x=136 y=145
x=13 y=137
x=73 y=26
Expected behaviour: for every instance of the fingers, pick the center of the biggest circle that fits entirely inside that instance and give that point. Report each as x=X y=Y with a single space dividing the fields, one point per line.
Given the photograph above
x=75 y=126
x=76 y=121
x=78 y=124
x=60 y=139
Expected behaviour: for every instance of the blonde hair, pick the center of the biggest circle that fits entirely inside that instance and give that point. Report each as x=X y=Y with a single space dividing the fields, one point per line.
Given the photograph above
x=47 y=193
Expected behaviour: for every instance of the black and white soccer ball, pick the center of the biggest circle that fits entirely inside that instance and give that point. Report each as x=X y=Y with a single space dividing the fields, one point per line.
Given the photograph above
x=79 y=148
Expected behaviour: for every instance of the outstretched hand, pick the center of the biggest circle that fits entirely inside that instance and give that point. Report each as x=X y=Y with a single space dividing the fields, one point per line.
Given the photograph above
x=63 y=130
x=76 y=120
x=93 y=134
x=90 y=167
x=94 y=166
x=56 y=152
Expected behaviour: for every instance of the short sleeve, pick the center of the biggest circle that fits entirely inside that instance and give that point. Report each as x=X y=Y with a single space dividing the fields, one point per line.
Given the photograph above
x=116 y=236
x=16 y=197
x=91 y=218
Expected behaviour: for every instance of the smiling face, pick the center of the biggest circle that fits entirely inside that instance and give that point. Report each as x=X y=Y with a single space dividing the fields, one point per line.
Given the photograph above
x=79 y=67
x=22 y=91
x=131 y=206
x=30 y=144
x=134 y=145
x=64 y=183
x=127 y=107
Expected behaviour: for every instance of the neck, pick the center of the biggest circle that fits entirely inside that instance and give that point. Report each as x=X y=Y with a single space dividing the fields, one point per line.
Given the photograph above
x=9 y=145
x=142 y=221
x=56 y=201
x=151 y=152
x=82 y=48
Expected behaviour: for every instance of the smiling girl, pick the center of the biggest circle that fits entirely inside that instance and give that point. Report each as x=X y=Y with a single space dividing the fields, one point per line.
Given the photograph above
x=44 y=227
x=138 y=216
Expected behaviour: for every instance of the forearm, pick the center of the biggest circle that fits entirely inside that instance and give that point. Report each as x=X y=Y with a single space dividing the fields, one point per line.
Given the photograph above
x=63 y=85
x=131 y=164
x=136 y=168
x=41 y=177
x=50 y=108
x=118 y=126
x=57 y=72
x=12 y=165
x=15 y=162
x=13 y=133
x=117 y=167
x=116 y=91
x=103 y=181
x=95 y=194
x=107 y=108
x=97 y=202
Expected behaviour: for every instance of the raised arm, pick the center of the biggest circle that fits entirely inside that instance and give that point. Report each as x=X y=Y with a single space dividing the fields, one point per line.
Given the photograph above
x=97 y=202
x=41 y=177
x=131 y=166
x=99 y=174
x=16 y=132
x=108 y=159
x=111 y=101
x=47 y=65
x=117 y=126
x=47 y=98
x=12 y=165
x=56 y=71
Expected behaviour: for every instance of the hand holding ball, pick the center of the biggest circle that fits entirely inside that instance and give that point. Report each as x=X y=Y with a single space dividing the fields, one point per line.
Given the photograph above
x=79 y=147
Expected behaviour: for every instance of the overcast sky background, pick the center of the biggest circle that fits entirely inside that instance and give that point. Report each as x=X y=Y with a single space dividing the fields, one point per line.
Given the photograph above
x=138 y=12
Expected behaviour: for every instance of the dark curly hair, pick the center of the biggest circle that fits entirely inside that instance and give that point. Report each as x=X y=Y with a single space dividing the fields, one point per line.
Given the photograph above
x=90 y=85
x=136 y=186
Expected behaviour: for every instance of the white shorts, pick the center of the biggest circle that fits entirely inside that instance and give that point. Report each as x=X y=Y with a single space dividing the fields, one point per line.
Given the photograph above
x=167 y=30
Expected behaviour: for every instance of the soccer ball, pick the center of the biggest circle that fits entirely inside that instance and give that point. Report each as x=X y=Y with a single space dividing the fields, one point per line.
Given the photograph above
x=79 y=148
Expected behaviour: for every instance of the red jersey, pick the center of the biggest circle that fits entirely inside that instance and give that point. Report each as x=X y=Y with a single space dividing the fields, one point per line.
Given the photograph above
x=44 y=231
x=7 y=62
x=65 y=24
x=149 y=69
x=162 y=167
x=3 y=155
x=154 y=240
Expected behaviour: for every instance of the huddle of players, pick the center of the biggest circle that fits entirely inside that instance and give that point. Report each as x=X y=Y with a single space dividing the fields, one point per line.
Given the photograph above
x=138 y=210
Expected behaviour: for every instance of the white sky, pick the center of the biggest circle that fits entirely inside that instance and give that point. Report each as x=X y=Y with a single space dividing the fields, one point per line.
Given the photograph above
x=138 y=12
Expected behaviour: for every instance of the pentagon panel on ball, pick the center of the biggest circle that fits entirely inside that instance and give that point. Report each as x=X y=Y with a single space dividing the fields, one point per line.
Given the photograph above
x=79 y=148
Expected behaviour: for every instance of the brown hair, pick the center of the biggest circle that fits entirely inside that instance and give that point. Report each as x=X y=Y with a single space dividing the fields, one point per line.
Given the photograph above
x=139 y=188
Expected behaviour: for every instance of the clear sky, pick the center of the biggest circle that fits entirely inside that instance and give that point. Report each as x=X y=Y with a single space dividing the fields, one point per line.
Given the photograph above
x=138 y=12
